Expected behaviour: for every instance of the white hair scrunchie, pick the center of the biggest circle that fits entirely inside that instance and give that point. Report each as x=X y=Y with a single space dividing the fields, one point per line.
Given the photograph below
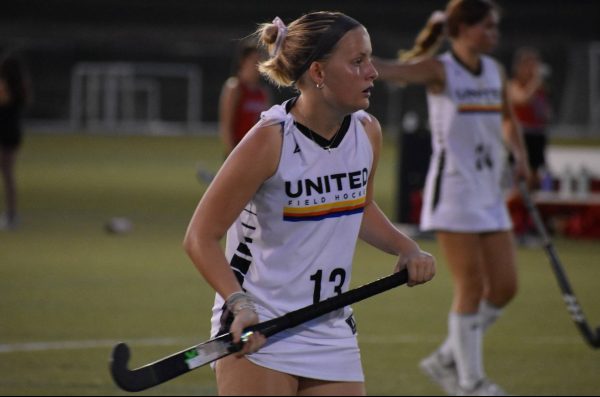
x=438 y=17
x=281 y=33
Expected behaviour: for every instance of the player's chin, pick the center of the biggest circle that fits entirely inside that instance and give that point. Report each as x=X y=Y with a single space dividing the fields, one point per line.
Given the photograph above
x=355 y=104
x=362 y=103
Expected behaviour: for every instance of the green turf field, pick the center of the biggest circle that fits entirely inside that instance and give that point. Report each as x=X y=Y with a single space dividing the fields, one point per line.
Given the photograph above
x=69 y=291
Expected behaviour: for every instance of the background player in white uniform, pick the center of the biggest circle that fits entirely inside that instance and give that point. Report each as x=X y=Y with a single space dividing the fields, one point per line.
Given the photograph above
x=464 y=200
x=296 y=194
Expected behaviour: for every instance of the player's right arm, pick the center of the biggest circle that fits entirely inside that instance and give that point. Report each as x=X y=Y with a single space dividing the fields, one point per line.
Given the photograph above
x=429 y=72
x=252 y=162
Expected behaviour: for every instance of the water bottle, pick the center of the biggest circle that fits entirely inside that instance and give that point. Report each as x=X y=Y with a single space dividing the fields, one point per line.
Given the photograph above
x=566 y=180
x=583 y=182
x=546 y=180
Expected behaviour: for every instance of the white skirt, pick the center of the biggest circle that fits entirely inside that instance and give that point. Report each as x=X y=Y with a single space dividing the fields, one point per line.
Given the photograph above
x=307 y=352
x=452 y=203
x=316 y=359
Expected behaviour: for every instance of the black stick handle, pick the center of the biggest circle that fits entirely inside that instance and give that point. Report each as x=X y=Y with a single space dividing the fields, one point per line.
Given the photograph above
x=177 y=364
x=311 y=312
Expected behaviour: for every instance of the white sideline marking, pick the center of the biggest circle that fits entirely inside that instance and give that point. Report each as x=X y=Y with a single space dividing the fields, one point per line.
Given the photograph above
x=184 y=342
x=398 y=339
x=419 y=339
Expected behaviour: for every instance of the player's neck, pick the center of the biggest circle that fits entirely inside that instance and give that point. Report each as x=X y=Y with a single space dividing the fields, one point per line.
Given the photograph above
x=469 y=58
x=317 y=117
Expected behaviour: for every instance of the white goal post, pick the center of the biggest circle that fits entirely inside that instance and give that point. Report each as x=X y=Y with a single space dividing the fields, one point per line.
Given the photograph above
x=116 y=96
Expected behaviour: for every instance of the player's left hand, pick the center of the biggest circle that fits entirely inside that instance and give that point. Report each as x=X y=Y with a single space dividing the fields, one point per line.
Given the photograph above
x=420 y=265
x=521 y=170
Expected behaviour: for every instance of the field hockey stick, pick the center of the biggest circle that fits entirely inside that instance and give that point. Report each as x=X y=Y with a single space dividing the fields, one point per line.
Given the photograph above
x=193 y=357
x=591 y=337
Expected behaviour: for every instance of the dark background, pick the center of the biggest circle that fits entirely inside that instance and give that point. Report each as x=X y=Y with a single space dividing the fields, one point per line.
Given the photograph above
x=54 y=35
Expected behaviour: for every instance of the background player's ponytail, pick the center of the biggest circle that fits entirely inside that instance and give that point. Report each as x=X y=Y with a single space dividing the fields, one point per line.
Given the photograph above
x=428 y=40
x=447 y=24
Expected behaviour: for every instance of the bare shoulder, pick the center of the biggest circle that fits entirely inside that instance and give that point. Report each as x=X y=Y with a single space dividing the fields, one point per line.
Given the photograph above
x=230 y=86
x=268 y=134
x=232 y=83
x=372 y=126
x=373 y=131
x=261 y=147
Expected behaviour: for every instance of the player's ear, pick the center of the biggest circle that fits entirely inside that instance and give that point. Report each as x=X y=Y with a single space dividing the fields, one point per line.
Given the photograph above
x=316 y=72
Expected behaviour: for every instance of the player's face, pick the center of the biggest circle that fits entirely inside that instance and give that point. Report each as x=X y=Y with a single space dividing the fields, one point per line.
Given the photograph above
x=349 y=72
x=249 y=68
x=484 y=36
x=528 y=67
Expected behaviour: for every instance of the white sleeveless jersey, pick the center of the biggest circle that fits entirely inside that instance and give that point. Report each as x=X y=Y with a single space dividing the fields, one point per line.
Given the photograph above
x=463 y=190
x=293 y=245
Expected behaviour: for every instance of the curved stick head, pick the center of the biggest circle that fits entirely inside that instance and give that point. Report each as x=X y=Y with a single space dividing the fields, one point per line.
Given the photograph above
x=596 y=343
x=118 y=367
x=120 y=355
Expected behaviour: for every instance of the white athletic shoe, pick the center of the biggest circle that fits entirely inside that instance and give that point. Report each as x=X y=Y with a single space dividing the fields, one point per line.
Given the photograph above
x=441 y=373
x=484 y=387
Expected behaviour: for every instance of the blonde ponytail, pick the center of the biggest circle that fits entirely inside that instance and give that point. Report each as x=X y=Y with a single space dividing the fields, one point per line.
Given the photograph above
x=429 y=39
x=275 y=68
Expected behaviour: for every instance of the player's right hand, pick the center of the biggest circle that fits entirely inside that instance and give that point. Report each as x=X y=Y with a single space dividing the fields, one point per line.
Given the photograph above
x=252 y=342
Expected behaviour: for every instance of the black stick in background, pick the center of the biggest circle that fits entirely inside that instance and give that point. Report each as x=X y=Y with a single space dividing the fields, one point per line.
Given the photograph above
x=591 y=337
x=193 y=357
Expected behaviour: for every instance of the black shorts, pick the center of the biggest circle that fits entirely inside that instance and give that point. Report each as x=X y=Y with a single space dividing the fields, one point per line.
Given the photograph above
x=535 y=142
x=10 y=139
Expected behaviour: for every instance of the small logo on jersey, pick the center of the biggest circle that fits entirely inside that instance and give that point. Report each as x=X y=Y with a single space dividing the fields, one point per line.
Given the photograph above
x=483 y=157
x=351 y=323
x=297 y=149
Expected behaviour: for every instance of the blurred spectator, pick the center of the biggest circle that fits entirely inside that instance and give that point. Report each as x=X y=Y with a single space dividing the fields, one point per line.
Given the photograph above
x=243 y=97
x=532 y=107
x=530 y=102
x=14 y=96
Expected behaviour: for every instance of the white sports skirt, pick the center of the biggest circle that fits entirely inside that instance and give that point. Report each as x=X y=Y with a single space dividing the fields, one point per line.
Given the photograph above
x=308 y=358
x=452 y=203
x=307 y=352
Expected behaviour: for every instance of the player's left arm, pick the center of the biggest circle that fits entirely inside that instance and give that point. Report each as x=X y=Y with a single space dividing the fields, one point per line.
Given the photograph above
x=513 y=133
x=377 y=230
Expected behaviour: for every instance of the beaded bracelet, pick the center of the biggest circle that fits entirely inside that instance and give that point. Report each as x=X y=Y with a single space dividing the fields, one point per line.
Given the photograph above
x=239 y=301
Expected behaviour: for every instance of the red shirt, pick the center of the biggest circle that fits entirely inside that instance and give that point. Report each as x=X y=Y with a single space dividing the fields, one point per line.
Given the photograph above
x=533 y=114
x=251 y=102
